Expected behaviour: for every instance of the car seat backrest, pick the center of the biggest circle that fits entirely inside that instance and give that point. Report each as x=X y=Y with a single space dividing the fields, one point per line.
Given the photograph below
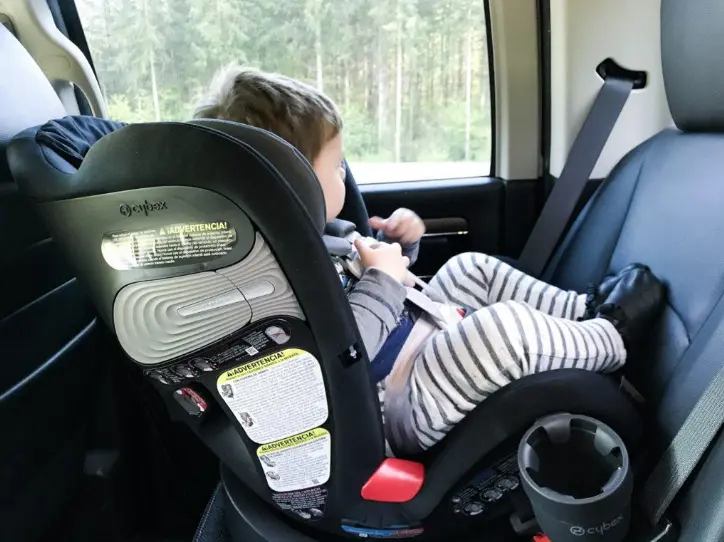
x=662 y=205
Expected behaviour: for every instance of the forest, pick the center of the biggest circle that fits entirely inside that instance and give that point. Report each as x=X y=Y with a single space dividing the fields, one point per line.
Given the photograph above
x=411 y=77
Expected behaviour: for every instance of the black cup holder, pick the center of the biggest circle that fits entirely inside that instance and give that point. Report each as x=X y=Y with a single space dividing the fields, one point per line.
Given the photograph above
x=580 y=464
x=575 y=471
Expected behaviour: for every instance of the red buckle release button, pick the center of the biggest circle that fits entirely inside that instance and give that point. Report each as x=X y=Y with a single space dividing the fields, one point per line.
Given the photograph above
x=395 y=480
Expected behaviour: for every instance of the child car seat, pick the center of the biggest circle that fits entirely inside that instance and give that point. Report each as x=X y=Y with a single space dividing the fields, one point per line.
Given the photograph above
x=201 y=246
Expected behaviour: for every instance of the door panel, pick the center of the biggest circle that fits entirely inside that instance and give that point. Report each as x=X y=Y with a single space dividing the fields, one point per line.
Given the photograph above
x=461 y=215
x=48 y=347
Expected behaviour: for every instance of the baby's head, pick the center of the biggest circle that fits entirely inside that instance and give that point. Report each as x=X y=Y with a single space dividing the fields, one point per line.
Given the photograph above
x=296 y=112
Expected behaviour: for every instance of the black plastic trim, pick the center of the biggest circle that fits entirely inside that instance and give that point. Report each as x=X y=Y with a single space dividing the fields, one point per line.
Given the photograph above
x=611 y=68
x=493 y=101
x=544 y=63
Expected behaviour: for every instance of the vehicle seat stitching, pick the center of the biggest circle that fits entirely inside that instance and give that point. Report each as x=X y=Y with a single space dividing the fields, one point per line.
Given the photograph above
x=207 y=513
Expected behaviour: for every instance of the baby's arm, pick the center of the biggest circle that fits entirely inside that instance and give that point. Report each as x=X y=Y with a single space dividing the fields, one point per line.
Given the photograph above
x=377 y=301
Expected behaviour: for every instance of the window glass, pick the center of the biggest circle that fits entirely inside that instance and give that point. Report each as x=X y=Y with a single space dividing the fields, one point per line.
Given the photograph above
x=411 y=77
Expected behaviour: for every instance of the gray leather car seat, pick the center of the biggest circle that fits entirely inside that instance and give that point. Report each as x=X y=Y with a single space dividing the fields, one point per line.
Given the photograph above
x=662 y=205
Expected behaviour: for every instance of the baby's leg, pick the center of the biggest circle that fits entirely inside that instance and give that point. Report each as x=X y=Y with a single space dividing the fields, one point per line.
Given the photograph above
x=475 y=280
x=461 y=366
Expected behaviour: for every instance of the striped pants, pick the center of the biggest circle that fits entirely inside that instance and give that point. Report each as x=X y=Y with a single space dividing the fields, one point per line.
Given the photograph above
x=517 y=326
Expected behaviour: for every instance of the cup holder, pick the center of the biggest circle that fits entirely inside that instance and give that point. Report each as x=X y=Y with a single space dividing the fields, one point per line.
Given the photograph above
x=576 y=473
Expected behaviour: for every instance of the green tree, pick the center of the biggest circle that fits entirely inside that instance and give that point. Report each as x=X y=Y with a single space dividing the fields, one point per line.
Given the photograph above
x=411 y=77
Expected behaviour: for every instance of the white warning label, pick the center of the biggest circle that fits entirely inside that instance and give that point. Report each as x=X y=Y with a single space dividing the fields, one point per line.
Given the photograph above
x=276 y=396
x=175 y=244
x=297 y=462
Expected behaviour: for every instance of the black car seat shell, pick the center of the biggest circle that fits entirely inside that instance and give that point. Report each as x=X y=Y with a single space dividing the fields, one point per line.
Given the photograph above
x=136 y=149
x=151 y=175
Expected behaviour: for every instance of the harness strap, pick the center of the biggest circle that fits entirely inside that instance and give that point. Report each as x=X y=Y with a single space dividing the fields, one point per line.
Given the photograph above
x=443 y=314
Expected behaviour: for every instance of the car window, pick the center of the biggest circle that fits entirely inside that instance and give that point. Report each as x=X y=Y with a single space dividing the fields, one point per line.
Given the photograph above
x=411 y=77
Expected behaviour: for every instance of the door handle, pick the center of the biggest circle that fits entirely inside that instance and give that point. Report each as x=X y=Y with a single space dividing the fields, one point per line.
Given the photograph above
x=444 y=227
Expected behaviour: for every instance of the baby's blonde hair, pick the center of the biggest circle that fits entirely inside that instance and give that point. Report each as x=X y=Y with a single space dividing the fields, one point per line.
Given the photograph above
x=298 y=113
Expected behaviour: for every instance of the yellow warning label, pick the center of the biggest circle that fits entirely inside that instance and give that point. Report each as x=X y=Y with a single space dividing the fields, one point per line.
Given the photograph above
x=276 y=397
x=297 y=462
x=259 y=365
x=292 y=441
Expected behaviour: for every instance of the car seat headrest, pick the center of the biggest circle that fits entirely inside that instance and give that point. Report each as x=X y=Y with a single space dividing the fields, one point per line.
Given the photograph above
x=55 y=150
x=287 y=160
x=58 y=147
x=26 y=96
x=692 y=54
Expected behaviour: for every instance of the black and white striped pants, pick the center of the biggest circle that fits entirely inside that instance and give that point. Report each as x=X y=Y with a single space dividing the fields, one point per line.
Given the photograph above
x=518 y=326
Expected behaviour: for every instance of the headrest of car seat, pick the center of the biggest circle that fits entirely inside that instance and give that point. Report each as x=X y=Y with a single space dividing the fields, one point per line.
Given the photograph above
x=66 y=141
x=288 y=161
x=59 y=147
x=56 y=150
x=692 y=53
x=26 y=97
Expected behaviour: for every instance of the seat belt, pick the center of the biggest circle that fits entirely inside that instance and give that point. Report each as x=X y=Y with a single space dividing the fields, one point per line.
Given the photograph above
x=695 y=435
x=685 y=451
x=582 y=158
x=339 y=239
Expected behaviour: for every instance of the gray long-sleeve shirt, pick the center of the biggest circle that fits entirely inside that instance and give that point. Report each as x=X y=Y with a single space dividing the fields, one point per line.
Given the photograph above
x=377 y=301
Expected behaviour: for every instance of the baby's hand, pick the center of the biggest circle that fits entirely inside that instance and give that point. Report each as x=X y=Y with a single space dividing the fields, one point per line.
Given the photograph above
x=403 y=226
x=385 y=257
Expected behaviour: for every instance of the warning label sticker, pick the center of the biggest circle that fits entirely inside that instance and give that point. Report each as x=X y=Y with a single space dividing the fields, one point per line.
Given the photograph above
x=277 y=396
x=309 y=504
x=297 y=462
x=175 y=244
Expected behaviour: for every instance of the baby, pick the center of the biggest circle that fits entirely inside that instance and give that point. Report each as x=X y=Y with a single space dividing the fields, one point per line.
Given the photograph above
x=513 y=324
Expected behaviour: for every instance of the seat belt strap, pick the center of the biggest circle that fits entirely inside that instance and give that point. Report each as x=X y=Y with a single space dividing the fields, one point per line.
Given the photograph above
x=699 y=429
x=582 y=158
x=685 y=451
